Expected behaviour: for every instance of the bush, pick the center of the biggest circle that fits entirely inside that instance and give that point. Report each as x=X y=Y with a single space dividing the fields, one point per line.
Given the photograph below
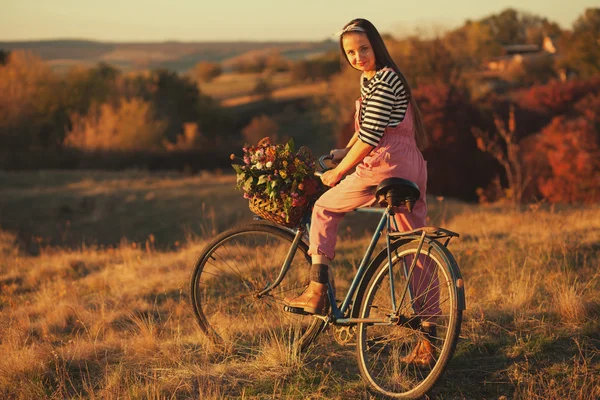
x=129 y=126
x=206 y=71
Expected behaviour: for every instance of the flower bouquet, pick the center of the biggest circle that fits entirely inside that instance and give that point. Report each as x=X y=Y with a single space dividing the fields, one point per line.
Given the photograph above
x=278 y=181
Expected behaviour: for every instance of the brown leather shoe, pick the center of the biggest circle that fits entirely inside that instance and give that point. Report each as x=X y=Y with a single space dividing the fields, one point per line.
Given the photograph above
x=312 y=301
x=423 y=355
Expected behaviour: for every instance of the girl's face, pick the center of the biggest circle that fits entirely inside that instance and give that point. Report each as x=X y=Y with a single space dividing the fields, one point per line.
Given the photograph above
x=359 y=52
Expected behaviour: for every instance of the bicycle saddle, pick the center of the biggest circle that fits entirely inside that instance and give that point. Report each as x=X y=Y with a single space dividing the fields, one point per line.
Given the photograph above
x=397 y=191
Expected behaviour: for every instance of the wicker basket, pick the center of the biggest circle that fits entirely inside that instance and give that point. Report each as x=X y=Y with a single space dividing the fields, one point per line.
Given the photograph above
x=271 y=210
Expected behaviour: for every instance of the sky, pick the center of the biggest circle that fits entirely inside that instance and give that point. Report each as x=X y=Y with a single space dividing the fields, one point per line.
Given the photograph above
x=252 y=20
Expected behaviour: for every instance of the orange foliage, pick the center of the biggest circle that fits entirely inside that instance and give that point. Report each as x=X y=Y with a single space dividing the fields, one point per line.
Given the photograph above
x=129 y=126
x=568 y=168
x=27 y=99
x=557 y=97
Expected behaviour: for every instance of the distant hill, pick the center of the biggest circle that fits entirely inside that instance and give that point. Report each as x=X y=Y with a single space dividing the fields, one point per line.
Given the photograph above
x=177 y=56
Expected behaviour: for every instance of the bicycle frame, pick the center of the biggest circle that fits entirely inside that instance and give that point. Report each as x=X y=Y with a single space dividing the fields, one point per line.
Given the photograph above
x=339 y=315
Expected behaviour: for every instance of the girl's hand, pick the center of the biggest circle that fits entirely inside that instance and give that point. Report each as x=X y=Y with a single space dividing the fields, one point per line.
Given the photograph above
x=338 y=154
x=331 y=177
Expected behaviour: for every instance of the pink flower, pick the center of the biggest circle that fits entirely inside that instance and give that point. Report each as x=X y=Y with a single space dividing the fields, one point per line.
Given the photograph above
x=299 y=202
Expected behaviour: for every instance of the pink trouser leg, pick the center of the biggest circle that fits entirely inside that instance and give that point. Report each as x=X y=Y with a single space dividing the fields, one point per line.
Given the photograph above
x=351 y=193
x=425 y=288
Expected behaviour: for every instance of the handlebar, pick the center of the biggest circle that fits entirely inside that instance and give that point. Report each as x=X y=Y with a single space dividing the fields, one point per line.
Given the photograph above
x=322 y=164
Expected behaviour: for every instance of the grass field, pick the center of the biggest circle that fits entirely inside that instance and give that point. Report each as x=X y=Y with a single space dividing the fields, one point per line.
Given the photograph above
x=234 y=89
x=94 y=268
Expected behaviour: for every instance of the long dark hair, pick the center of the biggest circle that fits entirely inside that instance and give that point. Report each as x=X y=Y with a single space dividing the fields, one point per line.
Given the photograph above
x=383 y=59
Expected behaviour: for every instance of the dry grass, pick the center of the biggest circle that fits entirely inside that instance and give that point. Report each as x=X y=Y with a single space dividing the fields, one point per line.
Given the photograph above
x=113 y=321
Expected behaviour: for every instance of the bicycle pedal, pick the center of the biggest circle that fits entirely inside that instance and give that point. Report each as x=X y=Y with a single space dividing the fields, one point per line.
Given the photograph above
x=295 y=310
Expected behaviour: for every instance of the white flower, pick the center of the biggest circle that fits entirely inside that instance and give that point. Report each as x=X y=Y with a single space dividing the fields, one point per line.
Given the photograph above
x=259 y=165
x=269 y=164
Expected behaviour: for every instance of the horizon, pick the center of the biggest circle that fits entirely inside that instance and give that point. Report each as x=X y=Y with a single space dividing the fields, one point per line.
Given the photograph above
x=183 y=22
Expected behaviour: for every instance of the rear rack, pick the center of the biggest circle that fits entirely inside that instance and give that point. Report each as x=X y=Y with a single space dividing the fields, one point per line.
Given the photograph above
x=432 y=232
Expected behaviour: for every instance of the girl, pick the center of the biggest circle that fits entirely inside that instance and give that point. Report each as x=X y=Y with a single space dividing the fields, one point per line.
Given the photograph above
x=386 y=142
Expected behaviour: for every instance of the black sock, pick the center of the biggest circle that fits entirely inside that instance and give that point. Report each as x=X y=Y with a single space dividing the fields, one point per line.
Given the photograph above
x=319 y=273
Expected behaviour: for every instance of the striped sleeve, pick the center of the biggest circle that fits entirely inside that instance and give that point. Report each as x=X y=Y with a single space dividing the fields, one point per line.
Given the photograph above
x=377 y=113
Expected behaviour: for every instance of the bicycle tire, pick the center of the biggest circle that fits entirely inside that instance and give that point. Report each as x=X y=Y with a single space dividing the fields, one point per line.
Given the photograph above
x=383 y=351
x=229 y=273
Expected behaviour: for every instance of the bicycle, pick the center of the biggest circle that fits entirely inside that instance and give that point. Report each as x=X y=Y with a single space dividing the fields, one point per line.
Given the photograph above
x=242 y=276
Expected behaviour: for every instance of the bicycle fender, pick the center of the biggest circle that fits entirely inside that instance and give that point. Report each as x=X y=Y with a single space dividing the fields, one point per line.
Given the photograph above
x=457 y=279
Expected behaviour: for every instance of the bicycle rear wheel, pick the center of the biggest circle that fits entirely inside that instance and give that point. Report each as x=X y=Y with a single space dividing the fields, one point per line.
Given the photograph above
x=387 y=352
x=230 y=273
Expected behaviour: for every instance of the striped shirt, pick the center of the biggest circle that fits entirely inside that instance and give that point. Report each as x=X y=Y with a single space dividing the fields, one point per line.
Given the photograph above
x=384 y=103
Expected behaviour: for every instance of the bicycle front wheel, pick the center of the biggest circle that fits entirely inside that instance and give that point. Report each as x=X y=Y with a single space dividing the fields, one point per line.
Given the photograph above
x=405 y=357
x=226 y=285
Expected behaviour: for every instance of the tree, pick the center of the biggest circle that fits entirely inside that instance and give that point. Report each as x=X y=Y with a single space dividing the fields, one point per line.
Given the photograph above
x=581 y=48
x=4 y=56
x=29 y=103
x=513 y=27
x=472 y=43
x=206 y=71
x=566 y=158
x=175 y=98
x=260 y=127
x=507 y=154
x=87 y=86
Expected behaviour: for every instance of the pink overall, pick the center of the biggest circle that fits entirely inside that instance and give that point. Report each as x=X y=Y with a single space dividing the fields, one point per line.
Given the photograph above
x=396 y=155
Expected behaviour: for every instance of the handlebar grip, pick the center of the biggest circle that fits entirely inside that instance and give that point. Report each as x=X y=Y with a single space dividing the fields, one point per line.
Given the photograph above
x=322 y=164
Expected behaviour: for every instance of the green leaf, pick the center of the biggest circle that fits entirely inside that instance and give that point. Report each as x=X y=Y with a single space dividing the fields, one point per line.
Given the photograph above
x=238 y=168
x=262 y=180
x=290 y=146
x=248 y=183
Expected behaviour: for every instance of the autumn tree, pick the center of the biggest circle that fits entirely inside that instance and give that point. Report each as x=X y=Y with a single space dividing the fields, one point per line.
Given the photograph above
x=472 y=43
x=86 y=86
x=205 y=71
x=260 y=127
x=513 y=27
x=190 y=139
x=28 y=104
x=581 y=47
x=566 y=158
x=175 y=98
x=505 y=148
x=131 y=125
